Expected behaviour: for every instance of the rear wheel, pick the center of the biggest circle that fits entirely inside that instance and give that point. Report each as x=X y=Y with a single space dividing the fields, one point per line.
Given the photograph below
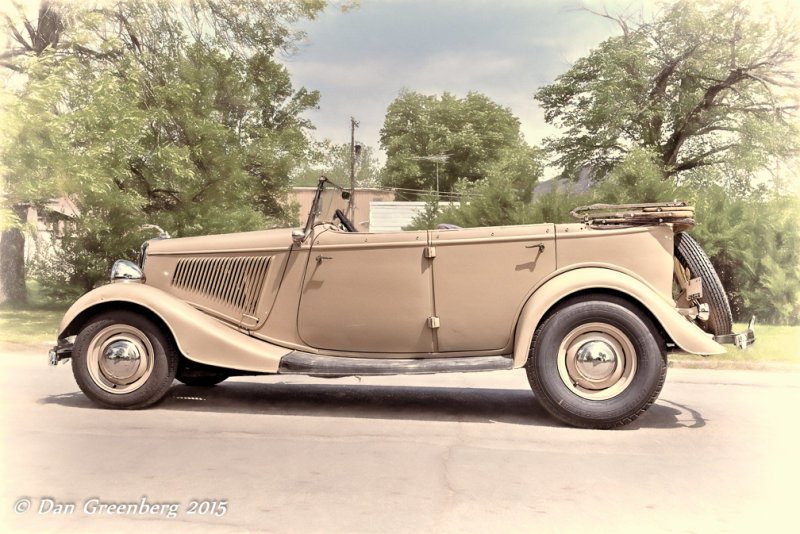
x=690 y=255
x=596 y=362
x=123 y=360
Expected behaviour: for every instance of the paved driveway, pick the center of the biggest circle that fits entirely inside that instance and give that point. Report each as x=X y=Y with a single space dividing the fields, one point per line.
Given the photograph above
x=448 y=453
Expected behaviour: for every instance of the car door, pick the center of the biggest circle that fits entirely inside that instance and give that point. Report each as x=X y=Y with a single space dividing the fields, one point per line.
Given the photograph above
x=482 y=277
x=369 y=293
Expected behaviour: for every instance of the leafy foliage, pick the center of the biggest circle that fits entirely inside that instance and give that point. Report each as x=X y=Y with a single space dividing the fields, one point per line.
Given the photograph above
x=704 y=85
x=696 y=105
x=638 y=179
x=488 y=202
x=754 y=244
x=431 y=214
x=162 y=113
x=334 y=162
x=753 y=240
x=475 y=135
x=494 y=201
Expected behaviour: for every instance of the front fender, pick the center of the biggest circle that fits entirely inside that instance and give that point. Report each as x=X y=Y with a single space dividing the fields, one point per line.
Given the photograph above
x=199 y=337
x=688 y=336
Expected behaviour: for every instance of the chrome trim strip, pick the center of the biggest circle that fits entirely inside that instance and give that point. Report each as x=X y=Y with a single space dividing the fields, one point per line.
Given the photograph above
x=305 y=363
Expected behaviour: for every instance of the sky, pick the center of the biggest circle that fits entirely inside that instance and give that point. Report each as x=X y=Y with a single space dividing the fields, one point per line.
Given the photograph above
x=360 y=60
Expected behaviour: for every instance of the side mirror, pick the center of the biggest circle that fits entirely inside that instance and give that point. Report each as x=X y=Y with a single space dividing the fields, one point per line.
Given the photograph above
x=345 y=195
x=298 y=234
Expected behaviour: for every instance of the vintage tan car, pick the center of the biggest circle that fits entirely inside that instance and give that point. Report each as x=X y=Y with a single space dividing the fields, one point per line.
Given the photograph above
x=590 y=309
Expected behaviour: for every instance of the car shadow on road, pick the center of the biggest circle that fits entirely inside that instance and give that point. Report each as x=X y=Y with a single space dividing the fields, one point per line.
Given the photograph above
x=414 y=403
x=668 y=414
x=422 y=403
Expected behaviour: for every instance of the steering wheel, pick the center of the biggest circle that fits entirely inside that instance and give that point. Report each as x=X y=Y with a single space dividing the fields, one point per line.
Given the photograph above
x=339 y=214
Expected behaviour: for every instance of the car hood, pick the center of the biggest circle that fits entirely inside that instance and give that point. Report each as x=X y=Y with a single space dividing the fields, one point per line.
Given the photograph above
x=264 y=240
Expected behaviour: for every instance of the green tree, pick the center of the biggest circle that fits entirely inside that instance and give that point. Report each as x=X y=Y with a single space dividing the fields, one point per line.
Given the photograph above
x=19 y=195
x=753 y=239
x=154 y=112
x=638 y=178
x=754 y=243
x=703 y=85
x=491 y=201
x=334 y=162
x=431 y=213
x=696 y=105
x=473 y=134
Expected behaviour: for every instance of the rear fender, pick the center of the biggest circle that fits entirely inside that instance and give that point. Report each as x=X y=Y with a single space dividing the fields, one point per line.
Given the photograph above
x=688 y=336
x=199 y=337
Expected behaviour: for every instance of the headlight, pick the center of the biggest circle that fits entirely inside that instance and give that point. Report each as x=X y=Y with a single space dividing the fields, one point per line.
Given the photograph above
x=126 y=270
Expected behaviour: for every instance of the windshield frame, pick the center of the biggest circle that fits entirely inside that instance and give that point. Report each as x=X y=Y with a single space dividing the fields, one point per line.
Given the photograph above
x=321 y=213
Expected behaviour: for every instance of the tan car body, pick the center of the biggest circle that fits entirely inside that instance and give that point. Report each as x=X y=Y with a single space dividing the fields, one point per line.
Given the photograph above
x=586 y=308
x=245 y=301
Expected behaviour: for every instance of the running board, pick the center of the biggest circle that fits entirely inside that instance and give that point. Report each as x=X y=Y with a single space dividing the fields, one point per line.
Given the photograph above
x=305 y=363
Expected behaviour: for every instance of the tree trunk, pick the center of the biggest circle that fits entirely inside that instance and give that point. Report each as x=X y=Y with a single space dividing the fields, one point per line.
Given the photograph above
x=12 y=261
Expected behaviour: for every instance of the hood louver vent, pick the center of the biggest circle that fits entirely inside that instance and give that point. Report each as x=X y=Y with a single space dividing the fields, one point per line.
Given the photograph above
x=232 y=284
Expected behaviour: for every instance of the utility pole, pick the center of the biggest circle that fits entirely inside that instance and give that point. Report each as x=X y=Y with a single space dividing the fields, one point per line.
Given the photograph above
x=351 y=207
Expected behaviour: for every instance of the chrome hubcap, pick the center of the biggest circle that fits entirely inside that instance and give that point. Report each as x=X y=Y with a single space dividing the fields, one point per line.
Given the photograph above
x=120 y=358
x=596 y=361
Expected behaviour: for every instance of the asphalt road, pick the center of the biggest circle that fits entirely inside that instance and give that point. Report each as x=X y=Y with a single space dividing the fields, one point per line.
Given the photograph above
x=446 y=453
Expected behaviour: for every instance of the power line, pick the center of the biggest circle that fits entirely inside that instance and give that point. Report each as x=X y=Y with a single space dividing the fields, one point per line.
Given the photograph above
x=424 y=191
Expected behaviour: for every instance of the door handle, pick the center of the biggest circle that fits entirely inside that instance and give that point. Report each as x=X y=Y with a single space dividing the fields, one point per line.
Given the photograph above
x=321 y=257
x=540 y=246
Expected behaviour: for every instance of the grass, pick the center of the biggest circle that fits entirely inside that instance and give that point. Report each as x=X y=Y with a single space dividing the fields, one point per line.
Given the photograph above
x=33 y=323
x=37 y=323
x=774 y=344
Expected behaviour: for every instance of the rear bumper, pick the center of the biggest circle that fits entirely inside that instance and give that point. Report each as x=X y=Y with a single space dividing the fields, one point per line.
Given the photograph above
x=743 y=340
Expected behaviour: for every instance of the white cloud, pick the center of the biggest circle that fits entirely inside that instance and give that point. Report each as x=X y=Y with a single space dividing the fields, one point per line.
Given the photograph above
x=507 y=49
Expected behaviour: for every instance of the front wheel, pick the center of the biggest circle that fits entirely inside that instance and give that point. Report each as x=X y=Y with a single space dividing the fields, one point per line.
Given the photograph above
x=123 y=360
x=596 y=362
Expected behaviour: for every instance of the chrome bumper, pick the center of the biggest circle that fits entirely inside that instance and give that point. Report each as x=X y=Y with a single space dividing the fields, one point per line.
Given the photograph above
x=743 y=340
x=61 y=352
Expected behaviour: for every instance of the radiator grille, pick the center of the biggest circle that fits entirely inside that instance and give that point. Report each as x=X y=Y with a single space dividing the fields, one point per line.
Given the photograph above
x=233 y=282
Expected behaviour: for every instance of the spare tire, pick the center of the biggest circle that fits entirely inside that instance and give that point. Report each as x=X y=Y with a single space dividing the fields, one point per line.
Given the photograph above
x=692 y=257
